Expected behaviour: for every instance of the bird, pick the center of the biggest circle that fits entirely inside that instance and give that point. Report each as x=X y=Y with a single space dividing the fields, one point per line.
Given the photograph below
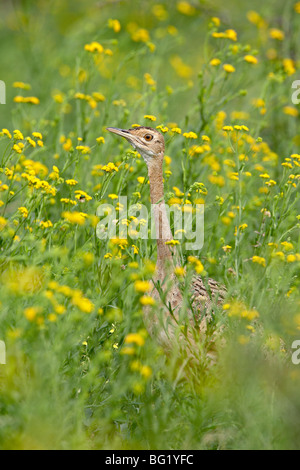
x=166 y=321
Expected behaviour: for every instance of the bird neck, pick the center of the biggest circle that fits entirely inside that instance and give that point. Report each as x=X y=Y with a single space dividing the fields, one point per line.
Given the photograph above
x=161 y=219
x=155 y=173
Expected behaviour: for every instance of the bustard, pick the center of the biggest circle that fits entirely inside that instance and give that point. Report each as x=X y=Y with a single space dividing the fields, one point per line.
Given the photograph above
x=164 y=321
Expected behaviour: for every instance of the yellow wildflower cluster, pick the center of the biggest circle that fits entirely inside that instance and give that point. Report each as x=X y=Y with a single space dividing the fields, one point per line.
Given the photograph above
x=46 y=224
x=23 y=211
x=21 y=85
x=27 y=99
x=238 y=309
x=259 y=260
x=94 y=47
x=75 y=295
x=115 y=25
x=228 y=34
x=92 y=99
x=185 y=8
x=75 y=217
x=190 y=135
x=36 y=183
x=196 y=263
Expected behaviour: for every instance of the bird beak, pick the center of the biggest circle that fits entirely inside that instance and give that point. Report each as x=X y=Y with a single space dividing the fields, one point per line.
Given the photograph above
x=132 y=139
x=121 y=132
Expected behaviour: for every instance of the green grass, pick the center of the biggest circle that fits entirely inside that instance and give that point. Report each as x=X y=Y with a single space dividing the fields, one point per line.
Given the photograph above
x=68 y=300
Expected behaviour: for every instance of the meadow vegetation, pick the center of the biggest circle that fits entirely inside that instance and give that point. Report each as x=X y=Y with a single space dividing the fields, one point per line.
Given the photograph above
x=216 y=79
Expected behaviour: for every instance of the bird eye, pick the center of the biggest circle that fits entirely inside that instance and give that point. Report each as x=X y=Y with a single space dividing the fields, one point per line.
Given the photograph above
x=148 y=137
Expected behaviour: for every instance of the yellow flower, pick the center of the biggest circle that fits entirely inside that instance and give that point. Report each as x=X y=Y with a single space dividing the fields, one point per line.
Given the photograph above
x=179 y=271
x=60 y=309
x=215 y=62
x=216 y=21
x=149 y=80
x=121 y=242
x=31 y=141
x=168 y=160
x=288 y=246
x=291 y=111
x=7 y=133
x=28 y=99
x=250 y=314
x=74 y=217
x=98 y=96
x=228 y=68
x=231 y=34
x=3 y=222
x=250 y=59
x=162 y=128
x=160 y=12
x=84 y=149
x=21 y=85
x=297 y=7
x=18 y=135
x=37 y=135
x=190 y=135
x=218 y=180
x=147 y=300
x=140 y=35
x=218 y=35
x=141 y=179
x=128 y=351
x=142 y=286
x=71 y=182
x=291 y=258
x=275 y=33
x=186 y=8
x=115 y=25
x=150 y=117
x=135 y=338
x=31 y=313
x=82 y=196
x=259 y=260
x=279 y=255
x=94 y=47
x=67 y=145
x=255 y=18
x=289 y=66
x=176 y=130
x=84 y=304
x=198 y=266
x=146 y=371
x=52 y=317
x=177 y=191
x=23 y=211
x=172 y=242
x=228 y=34
x=46 y=224
x=109 y=168
x=100 y=140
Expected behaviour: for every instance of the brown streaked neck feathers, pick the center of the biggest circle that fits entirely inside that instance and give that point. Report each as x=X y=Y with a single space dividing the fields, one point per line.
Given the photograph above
x=162 y=225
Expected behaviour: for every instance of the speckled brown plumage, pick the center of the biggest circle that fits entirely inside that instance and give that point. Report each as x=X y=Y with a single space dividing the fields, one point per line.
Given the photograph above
x=207 y=293
x=171 y=322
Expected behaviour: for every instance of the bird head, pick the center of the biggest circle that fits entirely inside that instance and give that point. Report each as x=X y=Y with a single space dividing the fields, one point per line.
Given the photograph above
x=146 y=140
